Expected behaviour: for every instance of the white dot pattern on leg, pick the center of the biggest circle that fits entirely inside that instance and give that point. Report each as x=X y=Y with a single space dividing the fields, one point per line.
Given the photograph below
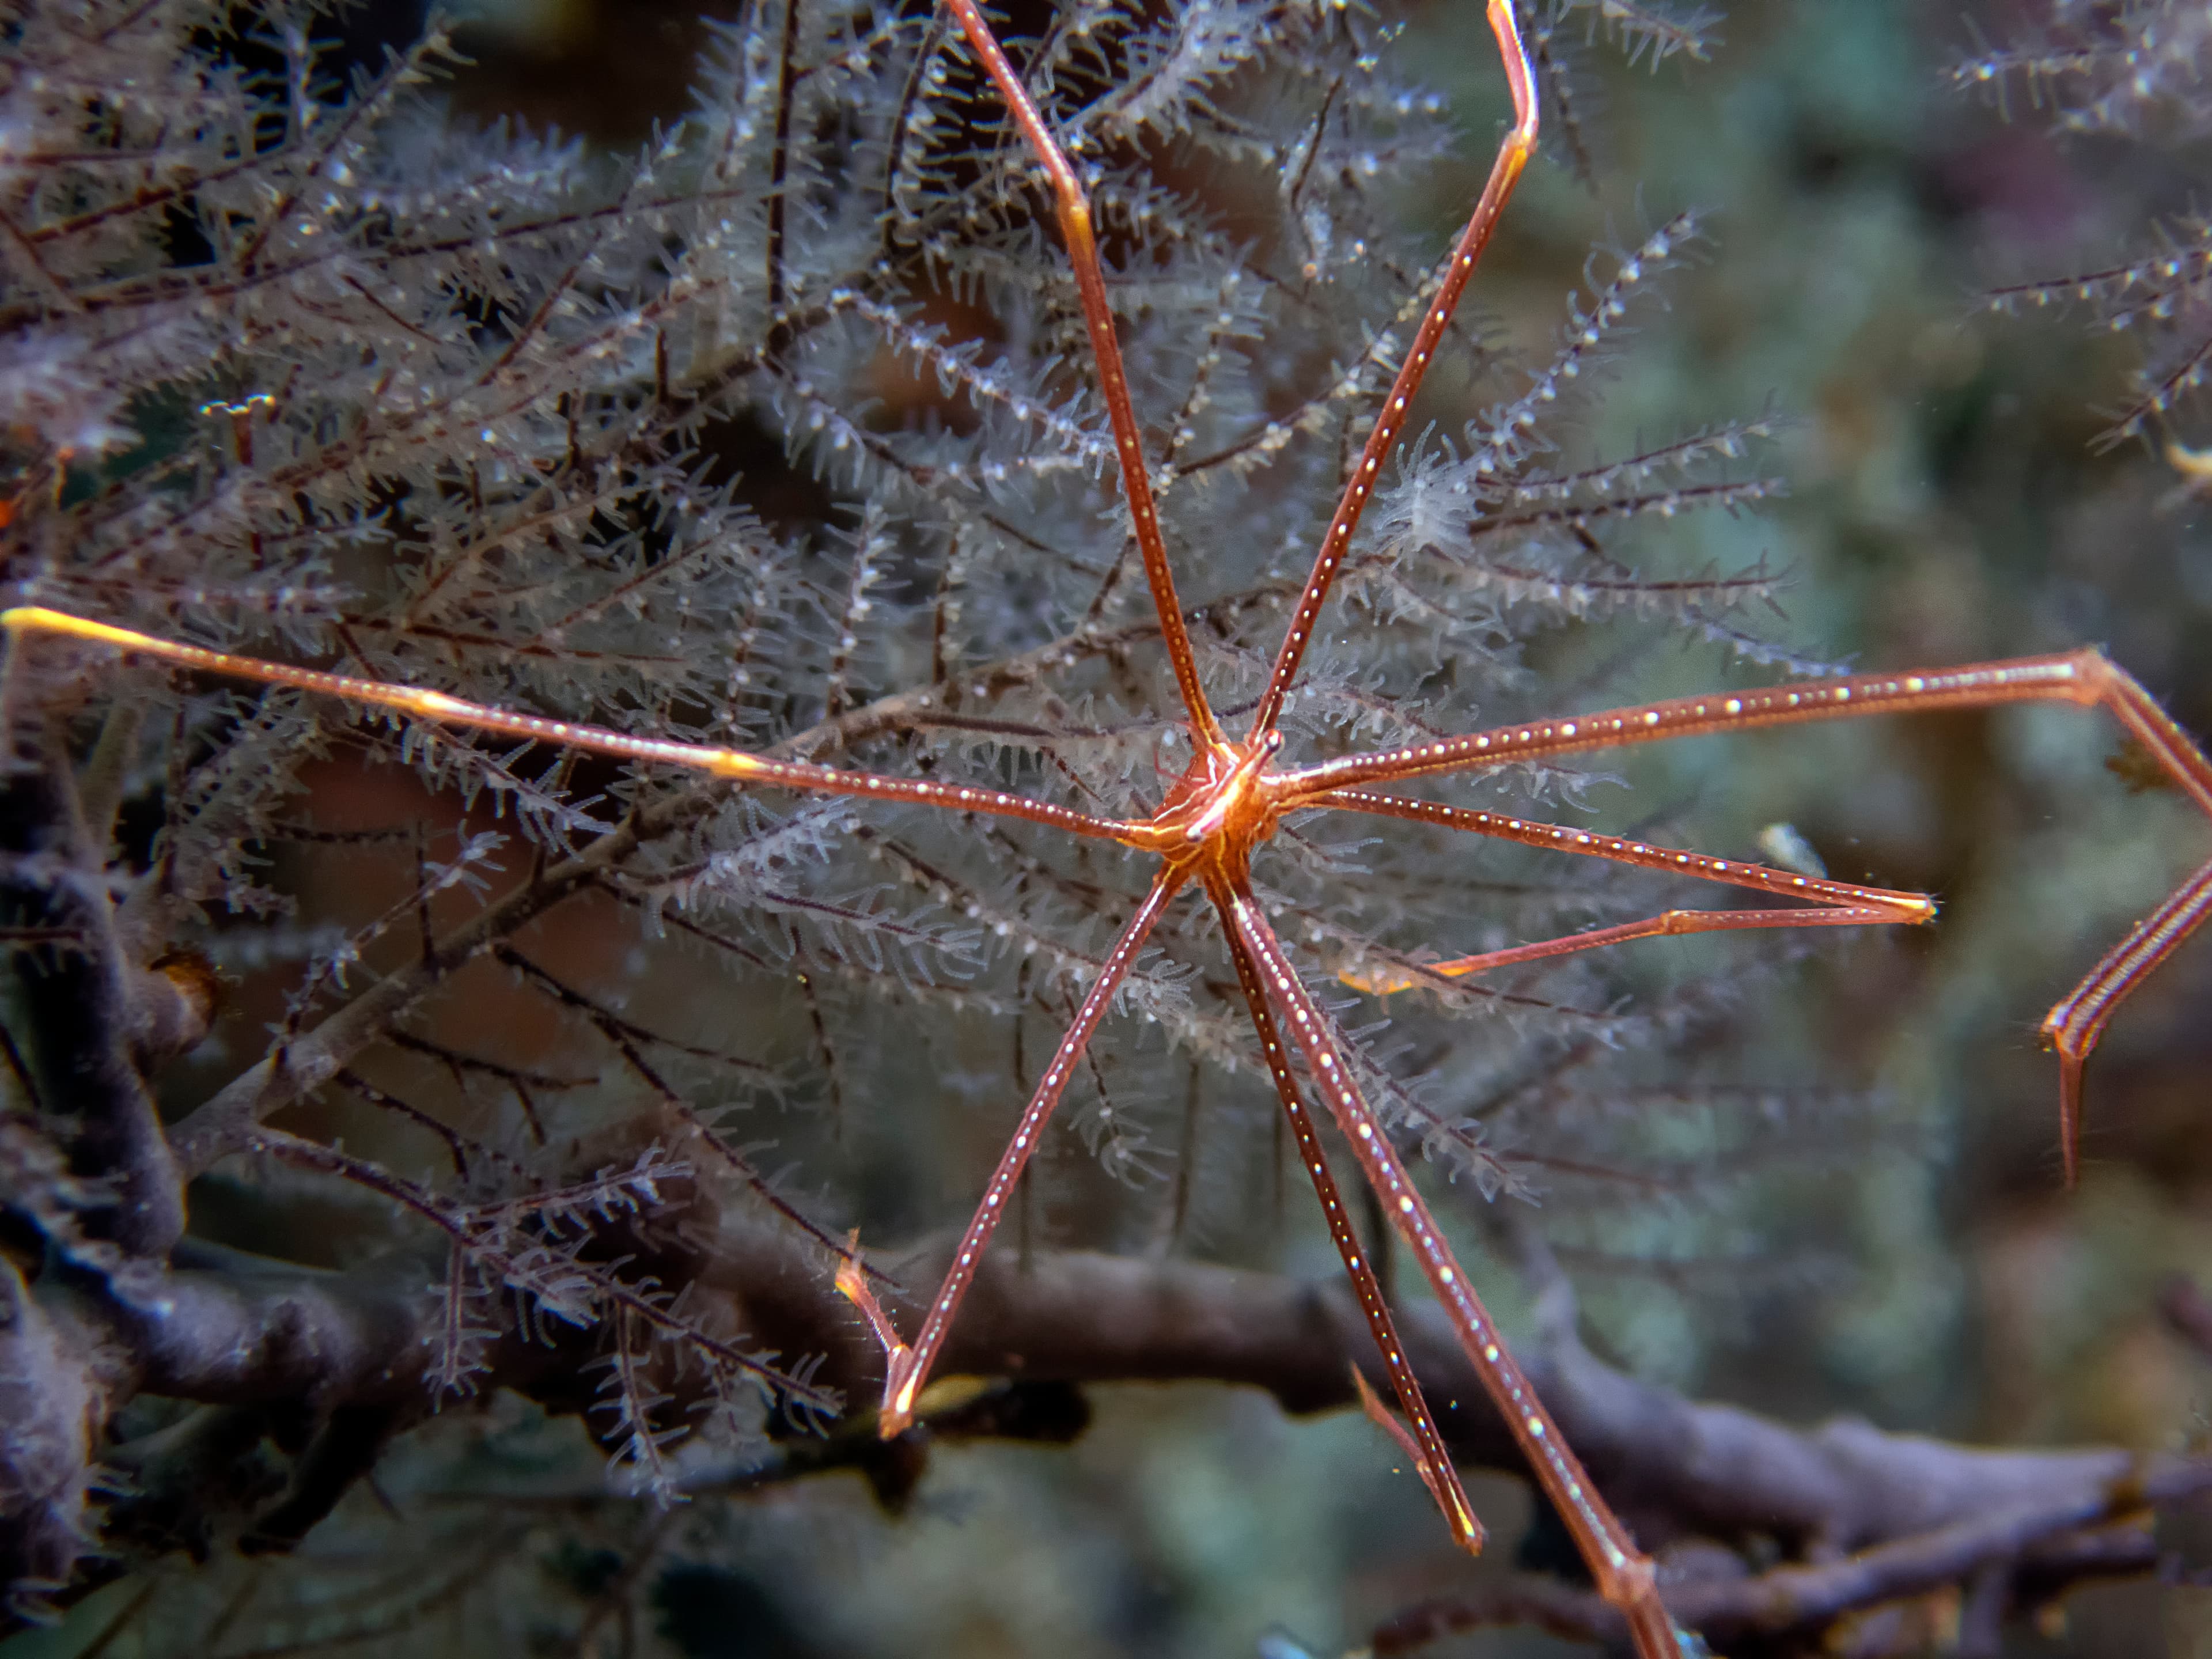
x=1433 y=1460
x=1556 y=1465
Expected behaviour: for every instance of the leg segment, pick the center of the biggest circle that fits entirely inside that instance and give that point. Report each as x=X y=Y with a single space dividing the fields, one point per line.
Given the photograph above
x=2073 y=1026
x=1074 y=214
x=1624 y=1573
x=1833 y=903
x=1422 y=1444
x=1667 y=924
x=906 y=1368
x=599 y=740
x=1621 y=849
x=2086 y=678
x=1504 y=172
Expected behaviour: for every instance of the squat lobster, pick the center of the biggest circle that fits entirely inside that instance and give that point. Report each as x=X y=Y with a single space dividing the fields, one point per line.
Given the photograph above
x=1235 y=792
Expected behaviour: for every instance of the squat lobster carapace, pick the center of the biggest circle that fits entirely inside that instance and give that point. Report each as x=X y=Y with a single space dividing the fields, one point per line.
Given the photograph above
x=1229 y=798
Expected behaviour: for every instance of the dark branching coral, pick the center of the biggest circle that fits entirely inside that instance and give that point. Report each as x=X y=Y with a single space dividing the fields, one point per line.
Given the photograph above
x=780 y=434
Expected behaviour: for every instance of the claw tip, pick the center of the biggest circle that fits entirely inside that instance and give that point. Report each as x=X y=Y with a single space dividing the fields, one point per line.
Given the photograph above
x=2069 y=1116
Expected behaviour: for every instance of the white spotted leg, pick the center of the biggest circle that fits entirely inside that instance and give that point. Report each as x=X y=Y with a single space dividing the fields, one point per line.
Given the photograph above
x=2086 y=678
x=2073 y=1027
x=907 y=1367
x=1419 y=1440
x=1624 y=1573
x=737 y=764
x=1071 y=208
x=1828 y=903
x=1505 y=170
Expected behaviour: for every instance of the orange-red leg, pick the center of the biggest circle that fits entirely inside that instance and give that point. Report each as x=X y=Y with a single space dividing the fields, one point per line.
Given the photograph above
x=906 y=1368
x=734 y=764
x=1421 y=1442
x=1668 y=923
x=1623 y=1572
x=2073 y=1027
x=1642 y=855
x=1074 y=211
x=2086 y=679
x=1504 y=172
x=1830 y=903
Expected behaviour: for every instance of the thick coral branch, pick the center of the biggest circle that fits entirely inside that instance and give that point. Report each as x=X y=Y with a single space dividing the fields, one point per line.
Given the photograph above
x=1864 y=1517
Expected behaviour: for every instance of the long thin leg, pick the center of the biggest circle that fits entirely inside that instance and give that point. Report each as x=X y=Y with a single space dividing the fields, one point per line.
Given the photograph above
x=1074 y=209
x=906 y=1368
x=2073 y=1026
x=1644 y=855
x=2086 y=678
x=1623 y=1572
x=453 y=711
x=1504 y=172
x=1422 y=1444
x=1668 y=923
